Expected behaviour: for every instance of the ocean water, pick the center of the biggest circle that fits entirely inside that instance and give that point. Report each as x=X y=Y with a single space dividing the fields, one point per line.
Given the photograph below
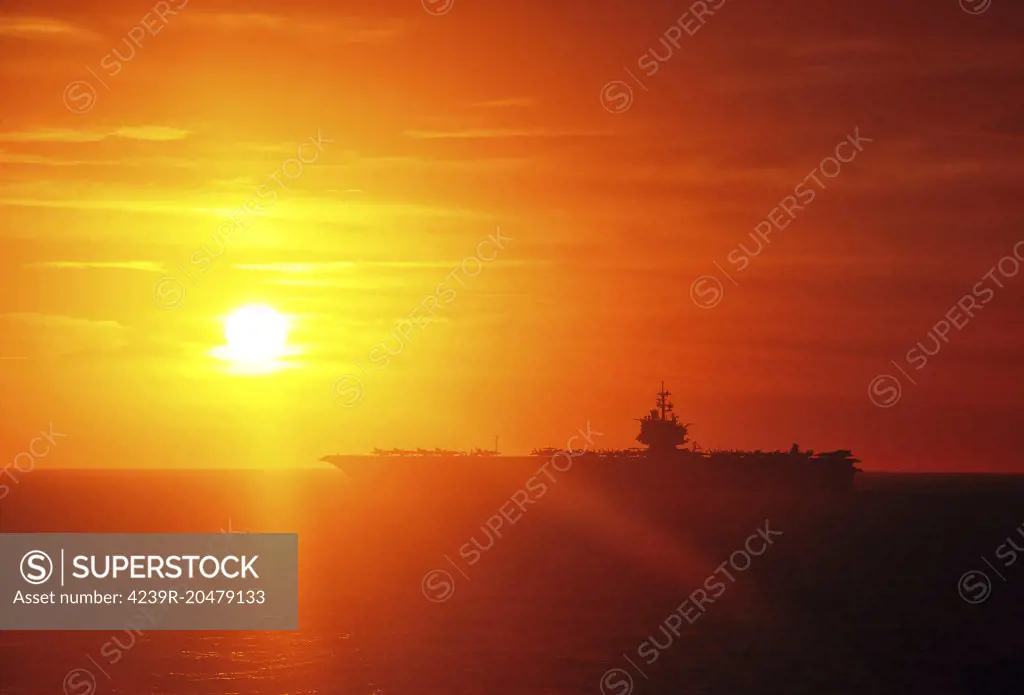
x=414 y=593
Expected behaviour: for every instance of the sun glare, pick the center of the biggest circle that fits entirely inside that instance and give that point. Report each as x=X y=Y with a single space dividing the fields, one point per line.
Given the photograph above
x=257 y=337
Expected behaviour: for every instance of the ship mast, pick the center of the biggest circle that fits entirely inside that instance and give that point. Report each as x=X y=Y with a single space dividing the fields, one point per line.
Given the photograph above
x=663 y=403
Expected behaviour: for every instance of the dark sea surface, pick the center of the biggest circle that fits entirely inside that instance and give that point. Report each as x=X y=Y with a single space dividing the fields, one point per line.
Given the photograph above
x=861 y=595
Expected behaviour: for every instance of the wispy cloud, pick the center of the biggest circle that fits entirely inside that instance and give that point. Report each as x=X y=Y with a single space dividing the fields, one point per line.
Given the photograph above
x=120 y=205
x=147 y=132
x=347 y=273
x=147 y=266
x=482 y=133
x=37 y=335
x=507 y=103
x=150 y=132
x=45 y=28
x=856 y=47
x=332 y=266
x=297 y=267
x=9 y=158
x=57 y=320
x=338 y=29
x=150 y=162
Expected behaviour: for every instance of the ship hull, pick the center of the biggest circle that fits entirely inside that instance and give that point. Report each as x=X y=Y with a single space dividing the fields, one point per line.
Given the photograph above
x=660 y=485
x=558 y=519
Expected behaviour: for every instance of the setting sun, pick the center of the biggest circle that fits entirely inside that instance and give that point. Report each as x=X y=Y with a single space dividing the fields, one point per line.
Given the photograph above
x=256 y=336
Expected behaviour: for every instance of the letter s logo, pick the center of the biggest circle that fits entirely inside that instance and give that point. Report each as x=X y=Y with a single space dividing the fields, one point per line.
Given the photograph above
x=707 y=291
x=616 y=681
x=36 y=567
x=616 y=96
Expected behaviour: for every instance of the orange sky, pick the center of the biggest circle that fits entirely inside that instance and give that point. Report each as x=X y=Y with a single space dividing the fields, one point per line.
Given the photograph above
x=441 y=123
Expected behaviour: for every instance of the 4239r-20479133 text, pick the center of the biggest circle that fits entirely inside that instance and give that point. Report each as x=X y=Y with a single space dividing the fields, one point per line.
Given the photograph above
x=191 y=596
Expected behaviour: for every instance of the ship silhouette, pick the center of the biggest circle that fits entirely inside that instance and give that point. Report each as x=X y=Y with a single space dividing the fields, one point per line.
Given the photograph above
x=668 y=463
